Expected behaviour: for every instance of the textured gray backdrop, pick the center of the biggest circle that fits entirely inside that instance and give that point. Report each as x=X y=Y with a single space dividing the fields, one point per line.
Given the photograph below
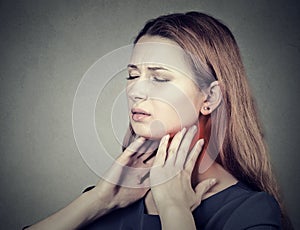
x=46 y=47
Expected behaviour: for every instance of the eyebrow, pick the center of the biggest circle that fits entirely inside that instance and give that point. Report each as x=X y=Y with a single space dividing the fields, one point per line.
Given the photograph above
x=154 y=68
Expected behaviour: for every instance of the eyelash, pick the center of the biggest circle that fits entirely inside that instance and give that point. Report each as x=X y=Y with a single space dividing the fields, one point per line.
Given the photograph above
x=131 y=77
x=155 y=78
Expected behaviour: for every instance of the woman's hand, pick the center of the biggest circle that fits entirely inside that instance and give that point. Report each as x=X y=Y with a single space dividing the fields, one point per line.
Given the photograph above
x=128 y=179
x=107 y=196
x=170 y=179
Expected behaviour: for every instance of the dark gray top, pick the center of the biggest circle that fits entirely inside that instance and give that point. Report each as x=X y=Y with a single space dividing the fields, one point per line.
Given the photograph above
x=236 y=207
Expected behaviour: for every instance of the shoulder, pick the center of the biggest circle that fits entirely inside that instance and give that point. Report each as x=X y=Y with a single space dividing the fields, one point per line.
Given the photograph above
x=257 y=209
x=239 y=207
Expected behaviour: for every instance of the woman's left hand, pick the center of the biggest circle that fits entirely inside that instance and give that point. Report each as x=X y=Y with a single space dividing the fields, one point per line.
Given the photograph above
x=170 y=176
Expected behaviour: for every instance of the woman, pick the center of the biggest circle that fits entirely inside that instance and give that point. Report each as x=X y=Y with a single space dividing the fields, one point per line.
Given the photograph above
x=187 y=89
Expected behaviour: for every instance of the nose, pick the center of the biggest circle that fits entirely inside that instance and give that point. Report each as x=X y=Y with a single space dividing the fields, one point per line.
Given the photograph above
x=138 y=90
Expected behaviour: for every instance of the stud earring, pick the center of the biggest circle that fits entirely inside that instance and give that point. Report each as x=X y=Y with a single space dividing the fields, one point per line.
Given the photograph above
x=206 y=108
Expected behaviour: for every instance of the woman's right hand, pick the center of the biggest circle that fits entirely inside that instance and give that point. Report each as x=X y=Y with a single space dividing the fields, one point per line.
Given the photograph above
x=128 y=178
x=107 y=196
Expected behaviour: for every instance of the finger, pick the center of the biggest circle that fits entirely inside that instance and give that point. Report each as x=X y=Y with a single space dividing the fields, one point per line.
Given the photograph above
x=153 y=146
x=173 y=148
x=143 y=148
x=148 y=157
x=116 y=170
x=131 y=149
x=202 y=188
x=193 y=156
x=148 y=150
x=185 y=146
x=150 y=160
x=161 y=155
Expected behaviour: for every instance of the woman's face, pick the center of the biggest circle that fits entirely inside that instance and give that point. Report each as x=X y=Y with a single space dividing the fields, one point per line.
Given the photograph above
x=162 y=94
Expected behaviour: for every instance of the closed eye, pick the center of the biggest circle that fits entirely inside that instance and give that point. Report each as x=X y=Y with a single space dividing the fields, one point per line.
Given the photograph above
x=130 y=77
x=159 y=79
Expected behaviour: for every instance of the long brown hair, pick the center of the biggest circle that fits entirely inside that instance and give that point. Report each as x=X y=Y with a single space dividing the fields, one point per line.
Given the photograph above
x=210 y=43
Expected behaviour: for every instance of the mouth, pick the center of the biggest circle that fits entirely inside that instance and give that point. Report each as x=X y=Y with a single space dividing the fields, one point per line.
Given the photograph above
x=139 y=114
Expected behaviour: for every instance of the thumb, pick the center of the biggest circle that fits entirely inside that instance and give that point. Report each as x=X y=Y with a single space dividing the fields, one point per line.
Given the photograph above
x=202 y=188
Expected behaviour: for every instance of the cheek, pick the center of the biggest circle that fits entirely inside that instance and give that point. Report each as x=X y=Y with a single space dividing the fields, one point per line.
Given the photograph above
x=177 y=105
x=172 y=114
x=165 y=117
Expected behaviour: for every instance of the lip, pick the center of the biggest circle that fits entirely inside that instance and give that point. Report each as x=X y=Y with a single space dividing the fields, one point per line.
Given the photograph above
x=139 y=114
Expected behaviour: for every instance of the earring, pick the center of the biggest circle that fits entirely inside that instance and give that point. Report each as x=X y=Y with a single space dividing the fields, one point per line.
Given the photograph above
x=206 y=108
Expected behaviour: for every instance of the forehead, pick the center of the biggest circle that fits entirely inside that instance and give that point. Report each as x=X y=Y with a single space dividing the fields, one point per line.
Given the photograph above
x=160 y=52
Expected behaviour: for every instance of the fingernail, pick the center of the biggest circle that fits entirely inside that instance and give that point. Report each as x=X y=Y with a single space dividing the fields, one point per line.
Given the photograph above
x=200 y=143
x=142 y=138
x=183 y=130
x=212 y=181
x=165 y=138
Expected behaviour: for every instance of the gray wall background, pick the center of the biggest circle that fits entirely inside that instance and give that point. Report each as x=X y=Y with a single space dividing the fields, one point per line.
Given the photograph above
x=46 y=47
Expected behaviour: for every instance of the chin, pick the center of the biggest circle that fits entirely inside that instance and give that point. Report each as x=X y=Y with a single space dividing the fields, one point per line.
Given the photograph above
x=154 y=135
x=155 y=130
x=151 y=134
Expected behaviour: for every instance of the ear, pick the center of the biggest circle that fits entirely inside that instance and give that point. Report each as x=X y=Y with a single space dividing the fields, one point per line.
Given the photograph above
x=213 y=98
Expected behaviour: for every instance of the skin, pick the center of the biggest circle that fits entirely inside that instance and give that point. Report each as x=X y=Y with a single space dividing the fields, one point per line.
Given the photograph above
x=176 y=160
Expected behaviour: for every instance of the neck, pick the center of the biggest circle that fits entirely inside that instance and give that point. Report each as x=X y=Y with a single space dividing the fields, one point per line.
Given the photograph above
x=224 y=180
